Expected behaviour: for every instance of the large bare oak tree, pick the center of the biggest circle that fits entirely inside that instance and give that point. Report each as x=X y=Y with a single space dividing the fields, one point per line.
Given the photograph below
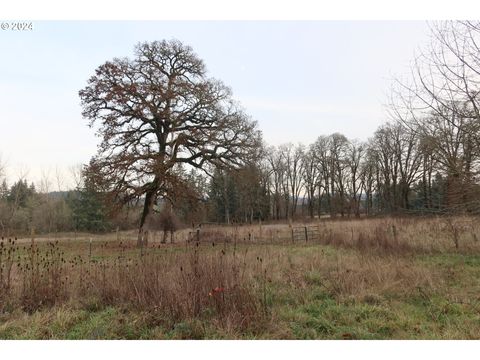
x=157 y=112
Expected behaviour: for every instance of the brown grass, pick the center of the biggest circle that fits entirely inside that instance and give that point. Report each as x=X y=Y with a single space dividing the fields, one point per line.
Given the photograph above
x=196 y=283
x=230 y=276
x=388 y=234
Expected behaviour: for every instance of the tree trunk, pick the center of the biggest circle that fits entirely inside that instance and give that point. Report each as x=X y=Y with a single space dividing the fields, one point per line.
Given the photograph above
x=405 y=198
x=226 y=199
x=150 y=199
x=424 y=187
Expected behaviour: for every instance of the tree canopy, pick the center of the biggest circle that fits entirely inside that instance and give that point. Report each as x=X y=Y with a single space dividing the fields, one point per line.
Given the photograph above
x=157 y=111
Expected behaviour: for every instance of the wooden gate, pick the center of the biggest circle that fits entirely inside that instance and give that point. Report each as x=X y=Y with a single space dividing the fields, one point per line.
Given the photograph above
x=305 y=233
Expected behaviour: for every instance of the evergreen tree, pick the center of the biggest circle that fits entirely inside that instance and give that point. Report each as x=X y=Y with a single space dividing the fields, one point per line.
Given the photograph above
x=3 y=190
x=88 y=211
x=20 y=193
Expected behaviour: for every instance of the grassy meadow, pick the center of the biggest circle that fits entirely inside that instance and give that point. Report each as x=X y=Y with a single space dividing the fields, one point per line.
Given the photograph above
x=406 y=278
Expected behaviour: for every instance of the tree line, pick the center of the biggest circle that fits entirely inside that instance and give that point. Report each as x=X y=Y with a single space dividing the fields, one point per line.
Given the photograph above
x=397 y=171
x=423 y=160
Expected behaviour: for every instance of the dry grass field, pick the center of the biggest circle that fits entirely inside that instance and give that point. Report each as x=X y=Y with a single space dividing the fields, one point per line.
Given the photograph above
x=406 y=278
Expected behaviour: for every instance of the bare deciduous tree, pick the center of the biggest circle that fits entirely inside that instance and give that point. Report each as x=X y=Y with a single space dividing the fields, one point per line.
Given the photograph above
x=355 y=153
x=278 y=178
x=440 y=103
x=292 y=157
x=311 y=178
x=156 y=111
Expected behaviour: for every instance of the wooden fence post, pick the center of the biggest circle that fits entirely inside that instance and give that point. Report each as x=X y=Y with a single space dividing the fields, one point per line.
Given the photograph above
x=394 y=231
x=90 y=248
x=306 y=234
x=260 y=236
x=144 y=240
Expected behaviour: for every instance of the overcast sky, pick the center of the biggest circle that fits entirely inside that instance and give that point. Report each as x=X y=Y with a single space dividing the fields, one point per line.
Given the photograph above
x=299 y=80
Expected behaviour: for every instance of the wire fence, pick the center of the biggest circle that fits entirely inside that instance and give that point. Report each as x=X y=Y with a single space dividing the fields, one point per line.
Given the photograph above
x=257 y=234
